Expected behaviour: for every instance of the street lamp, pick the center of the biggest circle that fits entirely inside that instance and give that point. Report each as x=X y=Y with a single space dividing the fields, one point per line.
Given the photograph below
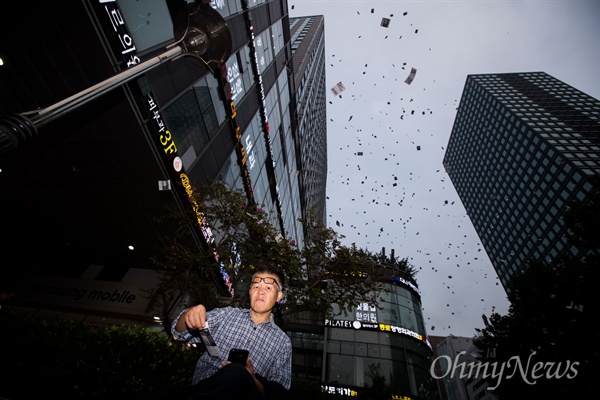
x=204 y=36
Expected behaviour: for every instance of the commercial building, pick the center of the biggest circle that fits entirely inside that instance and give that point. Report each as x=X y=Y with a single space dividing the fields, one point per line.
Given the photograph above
x=455 y=369
x=82 y=185
x=522 y=147
x=381 y=339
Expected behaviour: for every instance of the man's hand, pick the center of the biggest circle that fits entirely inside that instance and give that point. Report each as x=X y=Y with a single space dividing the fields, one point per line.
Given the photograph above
x=249 y=365
x=193 y=318
x=250 y=369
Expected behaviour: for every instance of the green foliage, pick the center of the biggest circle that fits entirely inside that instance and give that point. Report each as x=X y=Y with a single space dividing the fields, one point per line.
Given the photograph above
x=399 y=264
x=320 y=272
x=553 y=313
x=552 y=309
x=52 y=357
x=378 y=389
x=48 y=357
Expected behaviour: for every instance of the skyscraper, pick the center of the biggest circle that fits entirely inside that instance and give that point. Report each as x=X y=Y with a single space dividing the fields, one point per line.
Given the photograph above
x=308 y=49
x=522 y=146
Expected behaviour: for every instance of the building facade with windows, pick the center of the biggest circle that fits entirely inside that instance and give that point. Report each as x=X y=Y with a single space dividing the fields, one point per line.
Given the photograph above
x=384 y=338
x=522 y=146
x=452 y=357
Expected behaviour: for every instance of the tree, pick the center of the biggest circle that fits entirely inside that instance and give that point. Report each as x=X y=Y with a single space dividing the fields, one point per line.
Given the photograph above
x=583 y=220
x=551 y=318
x=76 y=360
x=378 y=389
x=320 y=272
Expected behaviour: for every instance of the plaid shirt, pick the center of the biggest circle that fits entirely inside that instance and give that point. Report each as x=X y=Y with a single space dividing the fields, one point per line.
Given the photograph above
x=270 y=348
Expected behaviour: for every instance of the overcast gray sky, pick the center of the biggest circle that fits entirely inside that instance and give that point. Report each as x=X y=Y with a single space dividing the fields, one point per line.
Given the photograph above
x=396 y=194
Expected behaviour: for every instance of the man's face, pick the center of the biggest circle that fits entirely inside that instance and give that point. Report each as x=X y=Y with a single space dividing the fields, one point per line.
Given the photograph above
x=264 y=292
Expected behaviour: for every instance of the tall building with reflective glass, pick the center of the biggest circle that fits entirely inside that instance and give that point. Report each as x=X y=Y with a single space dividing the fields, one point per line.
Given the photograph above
x=308 y=48
x=522 y=146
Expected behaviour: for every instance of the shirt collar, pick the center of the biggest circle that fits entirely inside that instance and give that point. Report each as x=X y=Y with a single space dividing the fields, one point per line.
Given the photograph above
x=271 y=318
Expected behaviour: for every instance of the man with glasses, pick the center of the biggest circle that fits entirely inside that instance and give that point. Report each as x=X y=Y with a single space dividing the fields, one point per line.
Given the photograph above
x=267 y=373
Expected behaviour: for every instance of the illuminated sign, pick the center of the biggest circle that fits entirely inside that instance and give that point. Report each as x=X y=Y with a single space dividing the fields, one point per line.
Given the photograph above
x=405 y=282
x=343 y=391
x=338 y=323
x=235 y=263
x=200 y=218
x=341 y=324
x=403 y=331
x=243 y=157
x=234 y=78
x=217 y=4
x=346 y=391
x=165 y=138
x=177 y=164
x=126 y=45
x=366 y=312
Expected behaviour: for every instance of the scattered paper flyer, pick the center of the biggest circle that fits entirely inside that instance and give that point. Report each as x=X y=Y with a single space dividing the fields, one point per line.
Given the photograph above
x=411 y=76
x=209 y=342
x=338 y=88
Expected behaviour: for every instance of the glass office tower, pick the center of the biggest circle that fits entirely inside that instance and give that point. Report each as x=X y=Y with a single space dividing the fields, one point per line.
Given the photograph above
x=384 y=338
x=91 y=182
x=522 y=146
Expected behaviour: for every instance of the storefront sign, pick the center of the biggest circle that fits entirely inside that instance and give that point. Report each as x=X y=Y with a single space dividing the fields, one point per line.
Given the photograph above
x=263 y=114
x=245 y=161
x=336 y=323
x=170 y=150
x=125 y=45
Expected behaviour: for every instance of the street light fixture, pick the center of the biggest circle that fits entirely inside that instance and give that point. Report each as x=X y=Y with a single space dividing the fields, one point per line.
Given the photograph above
x=204 y=35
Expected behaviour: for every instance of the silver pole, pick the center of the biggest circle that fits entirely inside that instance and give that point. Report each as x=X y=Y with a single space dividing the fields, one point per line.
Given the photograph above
x=50 y=113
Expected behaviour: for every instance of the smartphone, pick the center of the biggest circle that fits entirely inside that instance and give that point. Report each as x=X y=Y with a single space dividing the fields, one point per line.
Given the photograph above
x=238 y=356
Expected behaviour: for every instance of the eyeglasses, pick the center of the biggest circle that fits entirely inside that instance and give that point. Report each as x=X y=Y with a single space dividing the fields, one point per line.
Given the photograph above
x=268 y=281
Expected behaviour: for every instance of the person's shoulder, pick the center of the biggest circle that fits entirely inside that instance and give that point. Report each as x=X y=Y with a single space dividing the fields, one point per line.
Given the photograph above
x=284 y=337
x=235 y=311
x=223 y=311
